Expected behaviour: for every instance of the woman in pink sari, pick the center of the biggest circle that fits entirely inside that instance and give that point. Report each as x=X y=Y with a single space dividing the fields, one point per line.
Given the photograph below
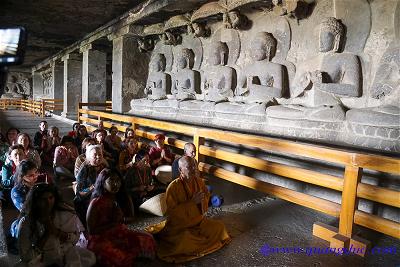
x=109 y=238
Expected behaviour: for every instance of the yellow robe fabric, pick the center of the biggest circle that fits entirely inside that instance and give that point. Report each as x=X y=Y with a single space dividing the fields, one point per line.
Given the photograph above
x=187 y=234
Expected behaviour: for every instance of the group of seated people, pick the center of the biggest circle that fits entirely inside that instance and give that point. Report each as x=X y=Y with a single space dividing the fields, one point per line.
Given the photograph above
x=112 y=177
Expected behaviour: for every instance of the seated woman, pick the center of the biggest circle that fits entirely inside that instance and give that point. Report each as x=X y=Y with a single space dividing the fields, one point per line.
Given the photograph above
x=108 y=153
x=86 y=179
x=50 y=144
x=126 y=159
x=129 y=132
x=113 y=140
x=30 y=153
x=15 y=156
x=82 y=157
x=64 y=158
x=160 y=154
x=12 y=135
x=49 y=231
x=79 y=162
x=81 y=135
x=26 y=177
x=74 y=131
x=109 y=238
x=139 y=182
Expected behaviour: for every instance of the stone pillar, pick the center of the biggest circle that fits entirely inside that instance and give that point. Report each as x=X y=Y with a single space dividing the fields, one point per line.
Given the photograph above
x=37 y=84
x=57 y=69
x=72 y=84
x=129 y=67
x=94 y=78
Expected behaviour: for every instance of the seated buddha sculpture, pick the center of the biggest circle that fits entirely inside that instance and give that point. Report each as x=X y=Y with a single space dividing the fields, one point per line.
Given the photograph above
x=218 y=79
x=264 y=79
x=158 y=81
x=321 y=83
x=184 y=85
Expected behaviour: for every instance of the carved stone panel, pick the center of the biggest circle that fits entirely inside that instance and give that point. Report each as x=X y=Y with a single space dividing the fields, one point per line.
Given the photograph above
x=18 y=85
x=47 y=82
x=324 y=75
x=356 y=15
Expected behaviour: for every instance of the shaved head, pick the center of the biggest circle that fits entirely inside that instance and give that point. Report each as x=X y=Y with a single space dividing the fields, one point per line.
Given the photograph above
x=187 y=167
x=184 y=161
x=189 y=150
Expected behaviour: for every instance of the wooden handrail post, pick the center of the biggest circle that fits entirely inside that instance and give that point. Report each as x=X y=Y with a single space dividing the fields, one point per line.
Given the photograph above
x=78 y=113
x=43 y=108
x=343 y=237
x=352 y=176
x=198 y=141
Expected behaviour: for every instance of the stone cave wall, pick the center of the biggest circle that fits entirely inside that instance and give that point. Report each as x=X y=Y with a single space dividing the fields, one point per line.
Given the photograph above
x=346 y=95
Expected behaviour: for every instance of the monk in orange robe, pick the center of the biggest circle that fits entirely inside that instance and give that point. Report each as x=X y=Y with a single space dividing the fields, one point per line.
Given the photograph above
x=187 y=234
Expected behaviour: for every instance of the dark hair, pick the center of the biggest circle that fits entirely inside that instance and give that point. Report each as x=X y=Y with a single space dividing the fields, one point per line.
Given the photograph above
x=43 y=122
x=95 y=132
x=11 y=148
x=81 y=127
x=121 y=196
x=9 y=130
x=22 y=170
x=31 y=208
x=86 y=141
x=112 y=127
x=140 y=155
x=106 y=173
x=73 y=125
x=159 y=136
x=27 y=136
x=66 y=139
x=128 y=130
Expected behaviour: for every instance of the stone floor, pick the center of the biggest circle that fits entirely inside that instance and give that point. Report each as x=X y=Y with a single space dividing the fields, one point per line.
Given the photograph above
x=254 y=220
x=28 y=123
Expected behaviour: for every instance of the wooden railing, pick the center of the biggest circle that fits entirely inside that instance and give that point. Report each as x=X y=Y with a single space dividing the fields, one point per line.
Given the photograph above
x=51 y=105
x=107 y=106
x=10 y=103
x=36 y=107
x=349 y=184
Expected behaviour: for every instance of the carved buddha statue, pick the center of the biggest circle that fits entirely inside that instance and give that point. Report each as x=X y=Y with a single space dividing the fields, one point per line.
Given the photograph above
x=184 y=86
x=13 y=89
x=320 y=83
x=158 y=81
x=264 y=78
x=218 y=79
x=338 y=74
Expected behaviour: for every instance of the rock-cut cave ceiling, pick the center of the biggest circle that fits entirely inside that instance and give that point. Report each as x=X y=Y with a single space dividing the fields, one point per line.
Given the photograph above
x=55 y=24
